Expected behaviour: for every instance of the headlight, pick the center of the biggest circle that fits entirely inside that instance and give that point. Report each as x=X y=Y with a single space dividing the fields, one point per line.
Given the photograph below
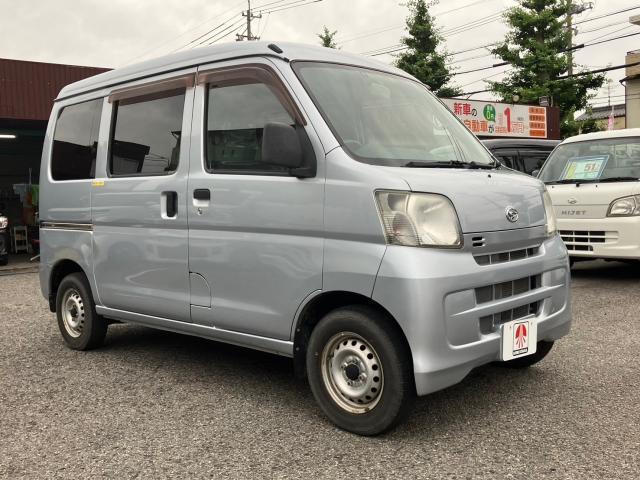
x=4 y=221
x=625 y=207
x=552 y=226
x=418 y=219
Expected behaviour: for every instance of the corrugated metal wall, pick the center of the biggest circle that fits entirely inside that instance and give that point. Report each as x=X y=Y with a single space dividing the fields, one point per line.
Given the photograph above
x=27 y=89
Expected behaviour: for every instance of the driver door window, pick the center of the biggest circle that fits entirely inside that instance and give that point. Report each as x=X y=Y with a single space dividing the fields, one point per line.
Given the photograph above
x=236 y=115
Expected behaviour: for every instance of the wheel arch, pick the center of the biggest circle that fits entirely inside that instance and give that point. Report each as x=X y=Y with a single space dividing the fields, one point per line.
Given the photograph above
x=60 y=270
x=317 y=307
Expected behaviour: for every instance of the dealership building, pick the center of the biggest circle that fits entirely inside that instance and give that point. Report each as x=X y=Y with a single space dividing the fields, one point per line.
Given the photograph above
x=27 y=91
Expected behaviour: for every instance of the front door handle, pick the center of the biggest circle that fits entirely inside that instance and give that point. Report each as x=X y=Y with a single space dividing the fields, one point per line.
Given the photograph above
x=203 y=194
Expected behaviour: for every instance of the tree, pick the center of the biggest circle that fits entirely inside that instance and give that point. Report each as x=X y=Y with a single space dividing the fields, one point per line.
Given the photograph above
x=422 y=59
x=536 y=47
x=327 y=38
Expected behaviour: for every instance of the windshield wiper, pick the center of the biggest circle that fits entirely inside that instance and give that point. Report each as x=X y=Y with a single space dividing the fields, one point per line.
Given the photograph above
x=618 y=179
x=450 y=164
x=592 y=180
x=568 y=180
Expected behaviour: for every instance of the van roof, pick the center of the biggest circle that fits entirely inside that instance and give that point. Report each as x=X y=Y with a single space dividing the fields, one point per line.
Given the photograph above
x=217 y=53
x=625 y=132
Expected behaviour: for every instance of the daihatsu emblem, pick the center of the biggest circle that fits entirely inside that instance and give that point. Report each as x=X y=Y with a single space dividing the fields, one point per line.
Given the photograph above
x=572 y=201
x=512 y=214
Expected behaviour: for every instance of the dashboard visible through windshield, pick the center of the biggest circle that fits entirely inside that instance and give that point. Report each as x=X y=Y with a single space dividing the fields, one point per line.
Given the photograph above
x=603 y=160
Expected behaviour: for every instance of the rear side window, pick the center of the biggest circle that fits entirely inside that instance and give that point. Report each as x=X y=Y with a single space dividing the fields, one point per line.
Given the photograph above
x=146 y=134
x=509 y=158
x=533 y=159
x=236 y=115
x=75 y=141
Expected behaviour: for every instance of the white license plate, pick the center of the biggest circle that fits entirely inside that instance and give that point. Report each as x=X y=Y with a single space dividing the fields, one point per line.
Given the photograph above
x=519 y=338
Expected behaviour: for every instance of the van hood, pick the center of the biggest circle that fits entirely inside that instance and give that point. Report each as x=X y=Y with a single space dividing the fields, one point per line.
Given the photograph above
x=482 y=197
x=588 y=200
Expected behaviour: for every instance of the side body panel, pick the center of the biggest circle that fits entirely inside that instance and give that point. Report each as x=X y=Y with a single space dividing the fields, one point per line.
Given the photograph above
x=258 y=241
x=64 y=204
x=140 y=253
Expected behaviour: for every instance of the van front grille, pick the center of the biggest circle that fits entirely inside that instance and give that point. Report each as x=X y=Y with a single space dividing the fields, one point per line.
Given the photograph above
x=583 y=240
x=491 y=323
x=501 y=257
x=497 y=291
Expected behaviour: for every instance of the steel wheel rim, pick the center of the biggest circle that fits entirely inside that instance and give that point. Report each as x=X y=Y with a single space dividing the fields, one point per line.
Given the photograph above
x=73 y=313
x=352 y=372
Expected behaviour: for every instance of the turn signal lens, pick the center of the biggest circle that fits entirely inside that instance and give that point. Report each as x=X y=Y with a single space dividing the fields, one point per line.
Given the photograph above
x=4 y=221
x=418 y=219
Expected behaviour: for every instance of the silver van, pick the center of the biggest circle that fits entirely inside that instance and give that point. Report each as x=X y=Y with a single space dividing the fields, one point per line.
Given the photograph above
x=301 y=201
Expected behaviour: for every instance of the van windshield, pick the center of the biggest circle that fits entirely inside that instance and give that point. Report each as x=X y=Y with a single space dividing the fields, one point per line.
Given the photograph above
x=604 y=160
x=390 y=120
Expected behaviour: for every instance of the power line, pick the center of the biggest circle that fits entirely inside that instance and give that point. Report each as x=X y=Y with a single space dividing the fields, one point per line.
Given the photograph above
x=445 y=34
x=222 y=33
x=386 y=29
x=591 y=19
x=291 y=5
x=603 y=27
x=579 y=74
x=184 y=33
x=575 y=47
x=610 y=33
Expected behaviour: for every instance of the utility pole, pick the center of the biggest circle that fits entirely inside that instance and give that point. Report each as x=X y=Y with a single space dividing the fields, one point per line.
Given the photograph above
x=250 y=16
x=572 y=10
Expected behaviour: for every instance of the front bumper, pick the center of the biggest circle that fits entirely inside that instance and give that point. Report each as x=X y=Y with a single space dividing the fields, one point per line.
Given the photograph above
x=611 y=237
x=441 y=299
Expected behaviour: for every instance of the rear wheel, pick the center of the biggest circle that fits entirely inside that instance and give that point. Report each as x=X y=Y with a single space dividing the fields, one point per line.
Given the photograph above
x=360 y=370
x=542 y=350
x=81 y=327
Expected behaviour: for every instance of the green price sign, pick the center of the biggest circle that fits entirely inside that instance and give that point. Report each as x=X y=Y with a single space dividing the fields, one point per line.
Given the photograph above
x=489 y=113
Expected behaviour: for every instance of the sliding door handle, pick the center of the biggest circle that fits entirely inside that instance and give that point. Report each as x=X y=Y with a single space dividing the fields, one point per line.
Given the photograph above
x=169 y=204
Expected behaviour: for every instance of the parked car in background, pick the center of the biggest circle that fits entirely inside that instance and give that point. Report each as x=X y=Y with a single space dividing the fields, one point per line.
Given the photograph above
x=522 y=154
x=302 y=201
x=4 y=238
x=594 y=183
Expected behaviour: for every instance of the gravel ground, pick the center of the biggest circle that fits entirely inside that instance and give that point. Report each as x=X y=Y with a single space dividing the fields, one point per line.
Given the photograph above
x=157 y=404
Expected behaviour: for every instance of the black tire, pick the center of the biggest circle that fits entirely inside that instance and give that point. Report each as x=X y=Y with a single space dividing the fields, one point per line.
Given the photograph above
x=376 y=331
x=91 y=328
x=542 y=350
x=4 y=261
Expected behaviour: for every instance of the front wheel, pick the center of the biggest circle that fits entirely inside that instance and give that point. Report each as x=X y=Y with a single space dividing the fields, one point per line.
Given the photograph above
x=81 y=327
x=360 y=370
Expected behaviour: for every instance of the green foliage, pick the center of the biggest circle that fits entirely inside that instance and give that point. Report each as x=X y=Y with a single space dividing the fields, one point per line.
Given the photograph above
x=590 y=124
x=326 y=38
x=422 y=59
x=534 y=48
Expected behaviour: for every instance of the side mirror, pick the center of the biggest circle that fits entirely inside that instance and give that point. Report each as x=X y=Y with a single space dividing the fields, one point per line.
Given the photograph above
x=281 y=146
x=535 y=173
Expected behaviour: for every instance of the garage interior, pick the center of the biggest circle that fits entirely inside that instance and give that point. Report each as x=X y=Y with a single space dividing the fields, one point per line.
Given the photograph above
x=27 y=91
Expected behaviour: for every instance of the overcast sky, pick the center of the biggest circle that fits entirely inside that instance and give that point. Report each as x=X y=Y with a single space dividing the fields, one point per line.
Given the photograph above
x=114 y=33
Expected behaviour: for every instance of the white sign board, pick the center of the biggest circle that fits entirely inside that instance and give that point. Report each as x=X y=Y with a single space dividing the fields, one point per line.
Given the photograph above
x=500 y=119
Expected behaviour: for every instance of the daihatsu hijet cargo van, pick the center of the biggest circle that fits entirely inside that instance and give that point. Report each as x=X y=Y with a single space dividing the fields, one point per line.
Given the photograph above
x=594 y=183
x=305 y=202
